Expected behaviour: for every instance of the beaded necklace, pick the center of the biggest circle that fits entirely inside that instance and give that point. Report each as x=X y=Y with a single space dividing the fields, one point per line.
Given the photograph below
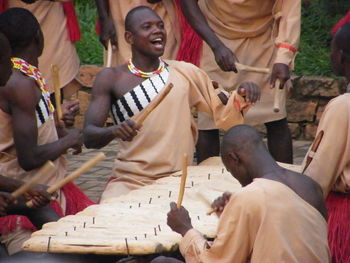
x=33 y=72
x=138 y=72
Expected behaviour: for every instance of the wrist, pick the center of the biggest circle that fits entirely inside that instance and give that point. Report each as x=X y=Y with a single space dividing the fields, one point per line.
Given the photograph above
x=184 y=230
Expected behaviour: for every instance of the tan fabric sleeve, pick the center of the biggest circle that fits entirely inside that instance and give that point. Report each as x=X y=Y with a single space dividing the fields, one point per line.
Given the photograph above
x=237 y=230
x=288 y=37
x=333 y=154
x=204 y=97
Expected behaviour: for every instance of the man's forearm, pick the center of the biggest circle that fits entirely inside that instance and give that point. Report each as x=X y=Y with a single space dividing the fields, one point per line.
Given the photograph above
x=97 y=137
x=102 y=9
x=199 y=23
x=8 y=184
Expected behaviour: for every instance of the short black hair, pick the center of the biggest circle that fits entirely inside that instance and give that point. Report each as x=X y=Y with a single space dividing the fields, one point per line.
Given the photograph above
x=5 y=47
x=130 y=15
x=19 y=26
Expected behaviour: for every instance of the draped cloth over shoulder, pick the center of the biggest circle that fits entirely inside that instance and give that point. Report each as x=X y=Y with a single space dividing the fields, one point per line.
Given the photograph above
x=170 y=131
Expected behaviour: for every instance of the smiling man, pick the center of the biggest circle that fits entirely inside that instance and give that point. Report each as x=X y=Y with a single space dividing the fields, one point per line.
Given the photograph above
x=155 y=150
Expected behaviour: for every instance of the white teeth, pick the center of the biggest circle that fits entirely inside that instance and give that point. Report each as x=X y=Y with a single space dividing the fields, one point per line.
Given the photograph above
x=158 y=39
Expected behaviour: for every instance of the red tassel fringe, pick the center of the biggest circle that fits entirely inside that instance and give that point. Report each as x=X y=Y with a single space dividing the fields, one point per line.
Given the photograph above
x=338 y=206
x=191 y=43
x=343 y=21
x=3 y=5
x=76 y=201
x=72 y=22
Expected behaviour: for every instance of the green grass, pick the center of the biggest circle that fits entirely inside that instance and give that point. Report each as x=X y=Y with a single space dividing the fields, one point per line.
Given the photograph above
x=89 y=48
x=318 y=17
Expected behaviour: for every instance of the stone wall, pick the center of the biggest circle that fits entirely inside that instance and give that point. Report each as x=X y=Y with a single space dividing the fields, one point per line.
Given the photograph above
x=304 y=105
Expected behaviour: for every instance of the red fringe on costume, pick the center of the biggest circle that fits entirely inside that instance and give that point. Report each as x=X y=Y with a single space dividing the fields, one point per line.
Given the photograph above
x=338 y=206
x=76 y=201
x=191 y=43
x=72 y=21
x=343 y=21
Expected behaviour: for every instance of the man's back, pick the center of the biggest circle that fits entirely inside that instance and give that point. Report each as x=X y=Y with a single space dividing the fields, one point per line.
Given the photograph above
x=264 y=222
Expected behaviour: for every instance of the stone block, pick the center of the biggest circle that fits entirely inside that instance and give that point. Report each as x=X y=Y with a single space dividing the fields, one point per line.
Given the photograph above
x=312 y=86
x=295 y=130
x=87 y=74
x=310 y=131
x=320 y=110
x=299 y=111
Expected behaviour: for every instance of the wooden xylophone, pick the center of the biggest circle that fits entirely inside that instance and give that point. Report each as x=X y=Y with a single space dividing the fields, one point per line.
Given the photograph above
x=135 y=224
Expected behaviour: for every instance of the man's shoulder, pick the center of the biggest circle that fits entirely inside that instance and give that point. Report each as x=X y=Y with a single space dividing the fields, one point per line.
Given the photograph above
x=252 y=194
x=182 y=65
x=19 y=84
x=342 y=101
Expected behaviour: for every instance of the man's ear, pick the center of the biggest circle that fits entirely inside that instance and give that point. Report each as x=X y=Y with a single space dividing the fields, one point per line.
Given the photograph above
x=234 y=158
x=129 y=37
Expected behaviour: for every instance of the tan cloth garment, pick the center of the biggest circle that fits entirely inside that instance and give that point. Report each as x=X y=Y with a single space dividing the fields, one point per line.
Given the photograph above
x=263 y=222
x=165 y=9
x=58 y=49
x=249 y=29
x=330 y=166
x=170 y=131
x=10 y=167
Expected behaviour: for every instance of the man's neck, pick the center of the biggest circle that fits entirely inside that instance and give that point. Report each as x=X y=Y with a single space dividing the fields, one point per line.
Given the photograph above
x=145 y=64
x=263 y=166
x=30 y=57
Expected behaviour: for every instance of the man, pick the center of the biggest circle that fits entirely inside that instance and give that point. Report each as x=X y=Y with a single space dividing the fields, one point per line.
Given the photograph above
x=112 y=18
x=328 y=159
x=278 y=215
x=28 y=135
x=60 y=28
x=169 y=131
x=255 y=33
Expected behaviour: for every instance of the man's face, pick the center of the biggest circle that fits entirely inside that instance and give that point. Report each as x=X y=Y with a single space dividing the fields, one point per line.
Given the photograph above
x=238 y=171
x=5 y=64
x=149 y=35
x=336 y=59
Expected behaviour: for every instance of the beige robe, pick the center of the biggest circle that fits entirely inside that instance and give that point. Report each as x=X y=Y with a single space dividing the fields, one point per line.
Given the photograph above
x=58 y=49
x=250 y=28
x=165 y=9
x=10 y=167
x=170 y=131
x=263 y=222
x=330 y=166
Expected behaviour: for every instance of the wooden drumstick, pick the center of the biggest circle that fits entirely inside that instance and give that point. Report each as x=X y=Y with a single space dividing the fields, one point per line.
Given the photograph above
x=139 y=118
x=279 y=92
x=242 y=67
x=109 y=54
x=85 y=167
x=183 y=180
x=55 y=72
x=42 y=172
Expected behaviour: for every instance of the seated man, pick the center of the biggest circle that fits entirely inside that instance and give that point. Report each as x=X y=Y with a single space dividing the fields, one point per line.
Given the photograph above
x=328 y=159
x=278 y=215
x=28 y=135
x=169 y=131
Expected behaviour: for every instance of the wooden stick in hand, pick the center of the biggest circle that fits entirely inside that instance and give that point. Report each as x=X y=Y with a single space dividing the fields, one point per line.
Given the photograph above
x=183 y=180
x=139 y=118
x=242 y=67
x=55 y=72
x=85 y=167
x=279 y=93
x=42 y=172
x=109 y=54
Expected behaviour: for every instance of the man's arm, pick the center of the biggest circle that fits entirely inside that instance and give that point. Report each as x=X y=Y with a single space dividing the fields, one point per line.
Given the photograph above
x=107 y=28
x=224 y=57
x=95 y=134
x=287 y=40
x=237 y=229
x=23 y=98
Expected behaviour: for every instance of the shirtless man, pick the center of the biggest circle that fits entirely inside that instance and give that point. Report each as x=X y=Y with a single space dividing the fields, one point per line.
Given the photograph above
x=278 y=215
x=156 y=149
x=28 y=135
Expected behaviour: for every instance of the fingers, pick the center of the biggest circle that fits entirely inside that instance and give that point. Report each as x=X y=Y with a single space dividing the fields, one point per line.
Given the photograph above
x=250 y=91
x=173 y=206
x=127 y=130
